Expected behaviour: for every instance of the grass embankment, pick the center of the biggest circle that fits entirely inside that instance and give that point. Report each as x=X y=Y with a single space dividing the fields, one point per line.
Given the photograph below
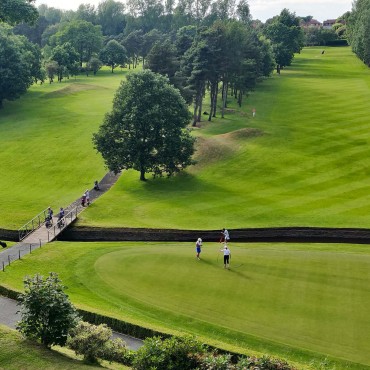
x=302 y=161
x=301 y=302
x=17 y=353
x=47 y=156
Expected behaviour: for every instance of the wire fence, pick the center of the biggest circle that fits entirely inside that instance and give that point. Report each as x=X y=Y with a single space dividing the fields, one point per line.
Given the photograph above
x=18 y=251
x=32 y=225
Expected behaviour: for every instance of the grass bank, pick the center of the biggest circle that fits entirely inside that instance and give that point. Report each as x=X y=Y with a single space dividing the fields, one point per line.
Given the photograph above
x=18 y=353
x=302 y=161
x=47 y=156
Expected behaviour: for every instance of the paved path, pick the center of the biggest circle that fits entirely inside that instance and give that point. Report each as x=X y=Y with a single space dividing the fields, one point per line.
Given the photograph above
x=44 y=235
x=10 y=317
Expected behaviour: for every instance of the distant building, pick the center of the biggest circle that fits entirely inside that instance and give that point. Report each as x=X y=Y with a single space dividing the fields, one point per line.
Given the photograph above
x=312 y=23
x=329 y=23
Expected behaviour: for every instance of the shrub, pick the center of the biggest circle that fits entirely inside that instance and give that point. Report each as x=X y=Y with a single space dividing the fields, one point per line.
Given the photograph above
x=263 y=363
x=170 y=354
x=216 y=362
x=93 y=342
x=47 y=313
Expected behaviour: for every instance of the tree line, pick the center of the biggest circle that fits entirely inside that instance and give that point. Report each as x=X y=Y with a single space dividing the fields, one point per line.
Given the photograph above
x=358 y=29
x=201 y=46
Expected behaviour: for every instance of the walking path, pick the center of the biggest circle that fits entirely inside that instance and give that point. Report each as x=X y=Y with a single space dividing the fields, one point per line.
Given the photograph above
x=9 y=316
x=44 y=235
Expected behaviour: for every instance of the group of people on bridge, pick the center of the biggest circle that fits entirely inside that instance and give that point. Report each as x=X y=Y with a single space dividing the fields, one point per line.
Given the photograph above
x=49 y=217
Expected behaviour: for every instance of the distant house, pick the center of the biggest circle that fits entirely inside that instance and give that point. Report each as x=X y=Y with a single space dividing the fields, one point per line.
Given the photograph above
x=329 y=23
x=312 y=23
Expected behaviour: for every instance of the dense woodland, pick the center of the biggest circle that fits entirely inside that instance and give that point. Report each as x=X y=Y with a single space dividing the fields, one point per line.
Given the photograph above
x=205 y=46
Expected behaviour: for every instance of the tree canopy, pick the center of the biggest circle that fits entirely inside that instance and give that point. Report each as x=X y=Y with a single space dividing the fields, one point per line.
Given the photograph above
x=20 y=63
x=146 y=128
x=86 y=38
x=358 y=30
x=47 y=313
x=16 y=11
x=286 y=36
x=113 y=54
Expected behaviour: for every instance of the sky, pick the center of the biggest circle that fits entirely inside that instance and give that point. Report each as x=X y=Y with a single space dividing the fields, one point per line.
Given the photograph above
x=260 y=9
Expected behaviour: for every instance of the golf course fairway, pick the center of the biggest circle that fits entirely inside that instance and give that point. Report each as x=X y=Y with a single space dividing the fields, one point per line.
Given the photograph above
x=299 y=301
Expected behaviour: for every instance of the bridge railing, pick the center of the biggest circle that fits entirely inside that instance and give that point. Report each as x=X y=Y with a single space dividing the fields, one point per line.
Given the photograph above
x=32 y=225
x=62 y=223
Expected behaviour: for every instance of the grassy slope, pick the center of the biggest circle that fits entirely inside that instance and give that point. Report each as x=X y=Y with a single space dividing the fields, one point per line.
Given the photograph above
x=47 y=157
x=17 y=353
x=309 y=168
x=302 y=302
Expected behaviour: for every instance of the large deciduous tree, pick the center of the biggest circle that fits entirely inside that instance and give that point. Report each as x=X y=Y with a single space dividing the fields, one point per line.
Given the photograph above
x=47 y=313
x=66 y=57
x=17 y=11
x=113 y=54
x=111 y=17
x=162 y=59
x=83 y=36
x=20 y=62
x=146 y=128
x=286 y=35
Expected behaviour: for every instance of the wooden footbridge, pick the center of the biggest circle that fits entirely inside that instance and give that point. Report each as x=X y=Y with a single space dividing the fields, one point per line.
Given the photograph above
x=34 y=234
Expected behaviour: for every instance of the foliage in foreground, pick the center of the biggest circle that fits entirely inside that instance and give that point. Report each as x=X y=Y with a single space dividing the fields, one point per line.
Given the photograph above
x=19 y=353
x=93 y=342
x=47 y=313
x=187 y=353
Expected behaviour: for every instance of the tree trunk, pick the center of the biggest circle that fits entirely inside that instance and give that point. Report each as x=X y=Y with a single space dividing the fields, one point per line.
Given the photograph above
x=199 y=117
x=278 y=68
x=195 y=112
x=240 y=98
x=142 y=174
x=211 y=105
x=112 y=67
x=224 y=97
x=1 y=103
x=215 y=100
x=200 y=103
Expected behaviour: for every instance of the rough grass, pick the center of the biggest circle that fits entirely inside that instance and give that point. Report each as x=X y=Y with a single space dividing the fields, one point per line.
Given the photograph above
x=305 y=302
x=309 y=168
x=17 y=353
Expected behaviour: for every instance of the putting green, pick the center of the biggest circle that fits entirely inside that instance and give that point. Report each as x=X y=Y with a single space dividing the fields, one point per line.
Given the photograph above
x=311 y=299
x=295 y=301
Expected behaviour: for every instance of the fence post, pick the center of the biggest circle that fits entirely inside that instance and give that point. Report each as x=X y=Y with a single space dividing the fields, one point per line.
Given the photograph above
x=19 y=254
x=40 y=242
x=9 y=259
x=30 y=248
x=3 y=266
